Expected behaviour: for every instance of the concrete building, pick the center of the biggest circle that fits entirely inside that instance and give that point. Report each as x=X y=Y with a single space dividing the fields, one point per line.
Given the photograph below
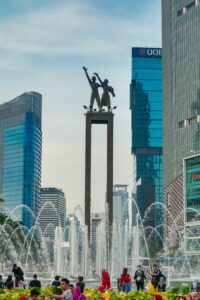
x=120 y=203
x=181 y=103
x=54 y=210
x=146 y=120
x=20 y=155
x=96 y=222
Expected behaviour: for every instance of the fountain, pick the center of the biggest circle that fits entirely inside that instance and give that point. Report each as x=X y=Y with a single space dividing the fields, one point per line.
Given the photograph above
x=72 y=254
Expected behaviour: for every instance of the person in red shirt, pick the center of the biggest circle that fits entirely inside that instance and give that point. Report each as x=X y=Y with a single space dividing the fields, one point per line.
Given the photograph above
x=105 y=280
x=125 y=279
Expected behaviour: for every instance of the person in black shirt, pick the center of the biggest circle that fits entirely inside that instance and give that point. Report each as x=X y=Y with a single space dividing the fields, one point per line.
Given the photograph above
x=35 y=282
x=1 y=282
x=139 y=278
x=56 y=282
x=9 y=284
x=18 y=272
x=81 y=284
x=159 y=277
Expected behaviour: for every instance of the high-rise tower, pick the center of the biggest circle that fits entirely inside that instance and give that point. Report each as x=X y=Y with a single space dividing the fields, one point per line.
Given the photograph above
x=181 y=100
x=146 y=113
x=20 y=154
x=54 y=210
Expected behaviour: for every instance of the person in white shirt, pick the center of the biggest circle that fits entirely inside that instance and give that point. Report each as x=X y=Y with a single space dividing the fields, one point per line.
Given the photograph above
x=66 y=295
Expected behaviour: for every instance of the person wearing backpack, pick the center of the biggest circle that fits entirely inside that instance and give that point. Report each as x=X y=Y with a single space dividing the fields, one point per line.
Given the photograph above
x=125 y=280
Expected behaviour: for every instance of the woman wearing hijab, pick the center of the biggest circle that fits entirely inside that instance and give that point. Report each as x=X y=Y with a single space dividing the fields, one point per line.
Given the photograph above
x=77 y=295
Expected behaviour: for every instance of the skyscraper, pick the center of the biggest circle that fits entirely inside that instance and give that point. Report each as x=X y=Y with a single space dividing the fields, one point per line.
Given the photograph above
x=53 y=213
x=120 y=203
x=146 y=116
x=20 y=154
x=181 y=100
x=97 y=220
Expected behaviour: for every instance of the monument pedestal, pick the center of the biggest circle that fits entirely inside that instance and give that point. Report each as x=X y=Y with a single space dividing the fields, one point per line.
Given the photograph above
x=99 y=118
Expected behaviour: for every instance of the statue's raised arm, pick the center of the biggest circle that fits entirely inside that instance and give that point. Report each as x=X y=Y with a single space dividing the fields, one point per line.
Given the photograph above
x=86 y=73
x=97 y=75
x=94 y=87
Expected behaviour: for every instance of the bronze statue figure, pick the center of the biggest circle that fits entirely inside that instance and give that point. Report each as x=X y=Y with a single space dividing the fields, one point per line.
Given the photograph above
x=105 y=98
x=94 y=86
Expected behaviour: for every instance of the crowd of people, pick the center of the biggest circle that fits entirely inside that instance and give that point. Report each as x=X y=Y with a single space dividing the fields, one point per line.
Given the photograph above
x=69 y=291
x=124 y=281
x=65 y=290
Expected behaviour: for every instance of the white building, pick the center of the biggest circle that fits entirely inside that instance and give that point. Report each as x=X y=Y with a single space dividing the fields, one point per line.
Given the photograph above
x=120 y=203
x=54 y=210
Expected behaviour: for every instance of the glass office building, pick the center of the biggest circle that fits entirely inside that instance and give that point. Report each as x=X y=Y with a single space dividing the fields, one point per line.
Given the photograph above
x=192 y=203
x=20 y=155
x=181 y=99
x=52 y=200
x=146 y=116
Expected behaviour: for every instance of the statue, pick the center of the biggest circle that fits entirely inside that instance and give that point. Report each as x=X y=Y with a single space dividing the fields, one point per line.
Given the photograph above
x=94 y=86
x=105 y=98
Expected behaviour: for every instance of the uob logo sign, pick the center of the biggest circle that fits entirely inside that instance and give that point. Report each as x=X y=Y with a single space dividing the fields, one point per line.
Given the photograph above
x=154 y=52
x=150 y=52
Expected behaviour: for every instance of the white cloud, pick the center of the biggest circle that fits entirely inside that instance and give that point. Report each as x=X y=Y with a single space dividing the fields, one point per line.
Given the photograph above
x=74 y=28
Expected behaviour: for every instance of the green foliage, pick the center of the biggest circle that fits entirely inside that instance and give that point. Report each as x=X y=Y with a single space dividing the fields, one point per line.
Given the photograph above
x=94 y=294
x=13 y=224
x=185 y=290
x=175 y=290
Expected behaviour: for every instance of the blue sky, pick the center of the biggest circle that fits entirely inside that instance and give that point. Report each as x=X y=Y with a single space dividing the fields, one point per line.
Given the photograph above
x=43 y=46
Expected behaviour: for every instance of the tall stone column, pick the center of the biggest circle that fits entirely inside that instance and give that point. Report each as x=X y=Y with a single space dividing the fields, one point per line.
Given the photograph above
x=99 y=118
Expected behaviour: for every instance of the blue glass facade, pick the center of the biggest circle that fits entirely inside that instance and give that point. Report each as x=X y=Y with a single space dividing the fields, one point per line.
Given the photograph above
x=21 y=140
x=146 y=113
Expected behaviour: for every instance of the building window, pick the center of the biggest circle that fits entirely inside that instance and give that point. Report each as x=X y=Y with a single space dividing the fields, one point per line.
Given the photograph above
x=187 y=8
x=181 y=124
x=190 y=5
x=192 y=120
x=180 y=12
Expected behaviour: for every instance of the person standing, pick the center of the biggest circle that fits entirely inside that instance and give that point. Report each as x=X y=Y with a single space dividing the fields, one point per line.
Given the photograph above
x=125 y=279
x=1 y=282
x=19 y=283
x=157 y=274
x=139 y=278
x=81 y=283
x=77 y=295
x=66 y=293
x=18 y=271
x=35 y=282
x=105 y=279
x=56 y=282
x=9 y=284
